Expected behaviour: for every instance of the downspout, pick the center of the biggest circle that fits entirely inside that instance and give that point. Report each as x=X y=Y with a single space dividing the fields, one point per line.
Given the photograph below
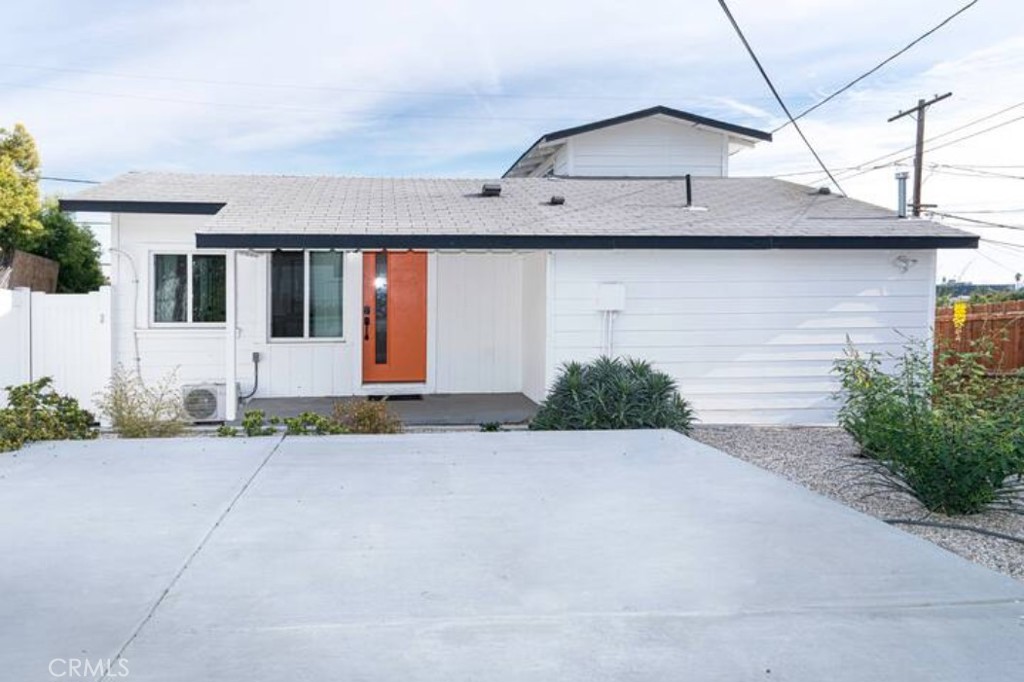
x=135 y=307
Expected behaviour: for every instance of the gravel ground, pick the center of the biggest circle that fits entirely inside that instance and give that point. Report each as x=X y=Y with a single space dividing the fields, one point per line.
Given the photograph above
x=815 y=457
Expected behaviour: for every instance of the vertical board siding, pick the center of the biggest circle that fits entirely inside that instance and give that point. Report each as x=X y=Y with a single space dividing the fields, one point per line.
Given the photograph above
x=62 y=336
x=479 y=320
x=71 y=342
x=534 y=324
x=196 y=354
x=477 y=314
x=647 y=147
x=749 y=335
x=15 y=339
x=188 y=354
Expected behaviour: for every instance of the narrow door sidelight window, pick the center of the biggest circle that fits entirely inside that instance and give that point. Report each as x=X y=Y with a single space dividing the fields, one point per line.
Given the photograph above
x=380 y=304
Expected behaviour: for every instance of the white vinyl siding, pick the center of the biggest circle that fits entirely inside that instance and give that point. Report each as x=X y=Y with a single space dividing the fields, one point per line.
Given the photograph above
x=750 y=335
x=654 y=146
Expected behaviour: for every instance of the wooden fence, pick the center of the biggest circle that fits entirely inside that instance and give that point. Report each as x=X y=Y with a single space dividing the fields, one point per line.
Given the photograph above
x=1003 y=323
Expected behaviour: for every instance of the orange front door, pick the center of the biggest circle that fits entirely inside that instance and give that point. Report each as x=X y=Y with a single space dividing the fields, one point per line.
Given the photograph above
x=394 y=316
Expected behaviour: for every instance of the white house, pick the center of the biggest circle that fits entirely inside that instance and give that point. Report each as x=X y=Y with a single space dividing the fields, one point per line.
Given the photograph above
x=594 y=242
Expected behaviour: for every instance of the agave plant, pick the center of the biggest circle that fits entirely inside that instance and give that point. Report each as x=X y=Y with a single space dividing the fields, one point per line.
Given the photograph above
x=613 y=393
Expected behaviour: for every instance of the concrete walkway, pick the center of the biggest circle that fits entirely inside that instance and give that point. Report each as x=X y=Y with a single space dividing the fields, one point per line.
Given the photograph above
x=472 y=556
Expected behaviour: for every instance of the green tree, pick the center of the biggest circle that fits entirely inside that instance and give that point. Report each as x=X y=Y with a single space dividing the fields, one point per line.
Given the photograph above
x=19 y=186
x=72 y=245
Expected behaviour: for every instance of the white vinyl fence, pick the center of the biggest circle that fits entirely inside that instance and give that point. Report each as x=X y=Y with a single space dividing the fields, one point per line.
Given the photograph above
x=64 y=336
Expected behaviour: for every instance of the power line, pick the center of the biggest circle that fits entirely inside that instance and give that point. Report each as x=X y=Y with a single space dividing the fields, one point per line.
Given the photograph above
x=232 y=105
x=943 y=145
x=965 y=137
x=992 y=210
x=812 y=172
x=1002 y=243
x=992 y=260
x=949 y=132
x=977 y=221
x=921 y=109
x=53 y=179
x=878 y=66
x=316 y=88
x=972 y=135
x=775 y=93
x=982 y=165
x=1004 y=249
x=860 y=166
x=969 y=174
x=978 y=171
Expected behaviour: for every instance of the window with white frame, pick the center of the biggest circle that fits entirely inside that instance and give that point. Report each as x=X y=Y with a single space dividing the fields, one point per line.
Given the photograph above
x=188 y=288
x=306 y=294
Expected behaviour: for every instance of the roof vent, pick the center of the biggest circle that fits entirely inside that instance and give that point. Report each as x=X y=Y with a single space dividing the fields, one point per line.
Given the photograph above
x=824 y=190
x=557 y=200
x=490 y=189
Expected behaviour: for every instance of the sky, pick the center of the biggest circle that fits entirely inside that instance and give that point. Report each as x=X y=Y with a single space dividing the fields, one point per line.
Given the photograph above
x=458 y=88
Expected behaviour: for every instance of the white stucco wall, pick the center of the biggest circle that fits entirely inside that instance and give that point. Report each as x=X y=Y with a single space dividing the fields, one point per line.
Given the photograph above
x=749 y=335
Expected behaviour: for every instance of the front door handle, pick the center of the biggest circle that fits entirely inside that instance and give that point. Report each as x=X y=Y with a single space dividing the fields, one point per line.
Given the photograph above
x=366 y=323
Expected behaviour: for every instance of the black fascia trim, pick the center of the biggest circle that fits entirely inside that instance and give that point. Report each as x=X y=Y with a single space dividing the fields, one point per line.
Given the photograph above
x=289 y=240
x=523 y=156
x=652 y=111
x=171 y=207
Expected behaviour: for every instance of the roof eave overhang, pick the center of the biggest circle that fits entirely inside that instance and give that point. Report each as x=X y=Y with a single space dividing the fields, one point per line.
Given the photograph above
x=298 y=240
x=703 y=121
x=166 y=207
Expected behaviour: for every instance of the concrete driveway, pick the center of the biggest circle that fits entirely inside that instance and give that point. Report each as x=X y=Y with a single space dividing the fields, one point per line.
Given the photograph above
x=471 y=556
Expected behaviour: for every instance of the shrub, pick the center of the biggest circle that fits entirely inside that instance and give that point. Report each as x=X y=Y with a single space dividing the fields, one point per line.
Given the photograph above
x=36 y=412
x=138 y=410
x=254 y=424
x=491 y=427
x=612 y=393
x=225 y=431
x=310 y=424
x=951 y=437
x=366 y=416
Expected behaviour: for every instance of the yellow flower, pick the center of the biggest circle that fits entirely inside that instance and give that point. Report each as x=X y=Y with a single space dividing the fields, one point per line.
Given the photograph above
x=959 y=315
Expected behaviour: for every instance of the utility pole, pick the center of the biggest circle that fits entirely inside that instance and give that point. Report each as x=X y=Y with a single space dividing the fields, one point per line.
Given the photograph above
x=922 y=105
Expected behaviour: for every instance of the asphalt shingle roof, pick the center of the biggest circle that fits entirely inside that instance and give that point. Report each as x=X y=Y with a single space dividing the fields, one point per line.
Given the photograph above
x=726 y=207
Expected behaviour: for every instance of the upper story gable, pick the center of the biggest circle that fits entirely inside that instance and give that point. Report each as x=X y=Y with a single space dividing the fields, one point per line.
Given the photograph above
x=655 y=142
